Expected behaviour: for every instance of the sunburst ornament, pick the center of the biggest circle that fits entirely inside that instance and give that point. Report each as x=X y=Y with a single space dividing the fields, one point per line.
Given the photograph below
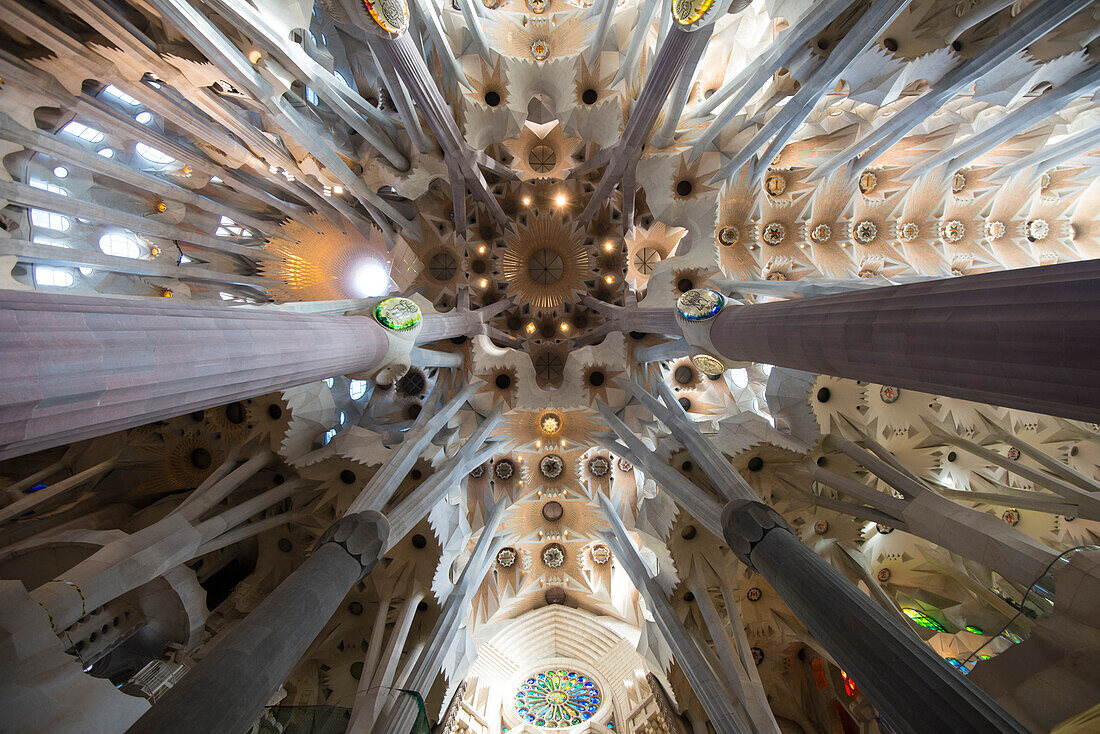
x=550 y=423
x=545 y=262
x=391 y=15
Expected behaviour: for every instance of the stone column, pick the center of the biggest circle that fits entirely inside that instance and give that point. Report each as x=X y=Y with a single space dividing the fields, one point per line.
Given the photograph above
x=726 y=715
x=1027 y=339
x=82 y=366
x=914 y=689
x=226 y=691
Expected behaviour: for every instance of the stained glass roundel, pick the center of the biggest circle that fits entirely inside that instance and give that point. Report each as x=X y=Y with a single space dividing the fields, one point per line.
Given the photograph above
x=556 y=699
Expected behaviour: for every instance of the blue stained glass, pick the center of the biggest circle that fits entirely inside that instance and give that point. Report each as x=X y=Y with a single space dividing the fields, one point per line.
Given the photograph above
x=557 y=699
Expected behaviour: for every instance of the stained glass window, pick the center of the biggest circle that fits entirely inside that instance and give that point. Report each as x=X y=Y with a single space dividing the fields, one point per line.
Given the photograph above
x=557 y=698
x=923 y=619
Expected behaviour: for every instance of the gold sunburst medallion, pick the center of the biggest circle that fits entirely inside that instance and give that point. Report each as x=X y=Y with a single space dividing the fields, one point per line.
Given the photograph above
x=545 y=262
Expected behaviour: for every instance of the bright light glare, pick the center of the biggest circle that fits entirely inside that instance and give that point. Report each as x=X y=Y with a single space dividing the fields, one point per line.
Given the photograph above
x=371 y=279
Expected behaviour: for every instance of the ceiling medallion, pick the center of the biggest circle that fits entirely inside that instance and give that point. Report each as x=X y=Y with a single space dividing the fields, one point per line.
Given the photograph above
x=708 y=365
x=821 y=233
x=599 y=466
x=391 y=15
x=506 y=557
x=545 y=262
x=775 y=184
x=774 y=233
x=754 y=594
x=908 y=231
x=540 y=50
x=821 y=527
x=883 y=575
x=601 y=554
x=1044 y=181
x=397 y=314
x=1037 y=229
x=728 y=236
x=551 y=466
x=550 y=423
x=491 y=4
x=553 y=556
x=1012 y=517
x=699 y=304
x=995 y=230
x=953 y=231
x=504 y=469
x=687 y=12
x=1013 y=453
x=552 y=511
x=757 y=656
x=478 y=472
x=538 y=7
x=889 y=394
x=958 y=183
x=625 y=465
x=865 y=231
x=867 y=182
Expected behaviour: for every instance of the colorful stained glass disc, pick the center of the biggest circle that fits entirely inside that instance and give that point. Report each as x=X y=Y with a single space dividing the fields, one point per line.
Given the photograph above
x=557 y=699
x=687 y=12
x=397 y=314
x=391 y=15
x=700 y=304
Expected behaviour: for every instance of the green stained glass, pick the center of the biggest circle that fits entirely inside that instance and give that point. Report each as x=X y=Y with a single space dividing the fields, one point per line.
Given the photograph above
x=397 y=314
x=974 y=630
x=923 y=619
x=557 y=698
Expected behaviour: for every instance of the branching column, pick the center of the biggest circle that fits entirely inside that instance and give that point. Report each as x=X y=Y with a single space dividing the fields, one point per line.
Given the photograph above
x=226 y=691
x=914 y=689
x=1027 y=339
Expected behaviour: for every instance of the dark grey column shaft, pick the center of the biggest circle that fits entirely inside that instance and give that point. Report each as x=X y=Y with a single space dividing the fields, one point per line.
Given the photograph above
x=912 y=687
x=226 y=692
x=1027 y=339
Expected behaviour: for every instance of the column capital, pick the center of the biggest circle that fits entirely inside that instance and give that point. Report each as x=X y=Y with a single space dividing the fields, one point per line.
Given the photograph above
x=363 y=535
x=745 y=523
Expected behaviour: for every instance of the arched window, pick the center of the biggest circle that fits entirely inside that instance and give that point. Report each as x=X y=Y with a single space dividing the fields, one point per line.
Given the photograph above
x=153 y=155
x=329 y=435
x=47 y=186
x=53 y=277
x=49 y=220
x=357 y=389
x=106 y=152
x=144 y=117
x=83 y=132
x=311 y=96
x=120 y=244
x=112 y=91
x=343 y=79
x=40 y=240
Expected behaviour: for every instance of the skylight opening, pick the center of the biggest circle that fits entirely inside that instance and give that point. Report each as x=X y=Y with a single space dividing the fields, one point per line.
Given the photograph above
x=153 y=155
x=112 y=91
x=79 y=130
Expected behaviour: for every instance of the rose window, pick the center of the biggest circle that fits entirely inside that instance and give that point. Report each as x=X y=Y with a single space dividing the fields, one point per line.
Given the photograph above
x=557 y=699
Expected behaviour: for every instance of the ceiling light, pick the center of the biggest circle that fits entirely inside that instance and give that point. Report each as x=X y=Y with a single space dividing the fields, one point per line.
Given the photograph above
x=337 y=189
x=61 y=172
x=531 y=327
x=609 y=279
x=560 y=199
x=371 y=279
x=565 y=326
x=481 y=249
x=609 y=245
x=483 y=283
x=527 y=201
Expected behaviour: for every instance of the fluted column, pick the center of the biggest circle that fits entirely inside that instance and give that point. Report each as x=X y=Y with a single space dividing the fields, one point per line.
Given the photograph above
x=226 y=691
x=81 y=366
x=1027 y=339
x=916 y=691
